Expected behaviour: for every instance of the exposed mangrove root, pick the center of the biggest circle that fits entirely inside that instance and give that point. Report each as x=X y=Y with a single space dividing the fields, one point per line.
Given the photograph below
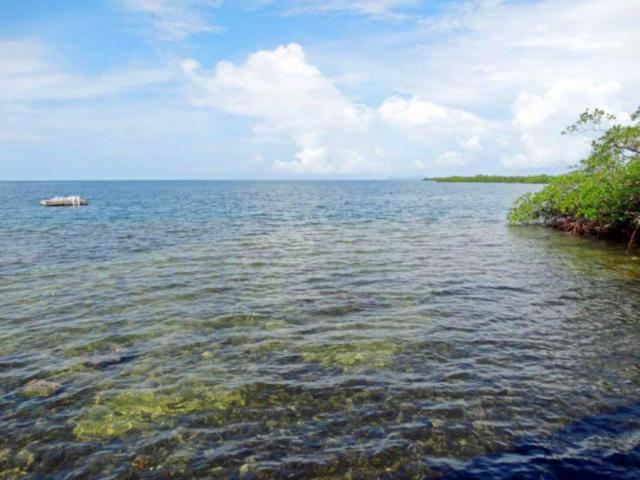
x=587 y=227
x=632 y=240
x=577 y=227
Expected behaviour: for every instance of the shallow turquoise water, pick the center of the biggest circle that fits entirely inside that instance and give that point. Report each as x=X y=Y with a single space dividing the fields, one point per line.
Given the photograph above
x=310 y=329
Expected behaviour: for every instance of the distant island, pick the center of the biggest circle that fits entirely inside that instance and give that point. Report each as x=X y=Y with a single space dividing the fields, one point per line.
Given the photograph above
x=493 y=179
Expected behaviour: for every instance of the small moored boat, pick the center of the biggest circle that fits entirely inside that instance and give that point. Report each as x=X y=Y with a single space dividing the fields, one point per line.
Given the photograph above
x=72 y=201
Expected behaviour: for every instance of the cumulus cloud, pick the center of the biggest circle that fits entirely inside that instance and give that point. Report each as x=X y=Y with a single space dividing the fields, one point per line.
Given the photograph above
x=416 y=112
x=487 y=85
x=292 y=101
x=279 y=86
x=532 y=67
x=563 y=97
x=525 y=70
x=493 y=79
x=426 y=121
x=537 y=118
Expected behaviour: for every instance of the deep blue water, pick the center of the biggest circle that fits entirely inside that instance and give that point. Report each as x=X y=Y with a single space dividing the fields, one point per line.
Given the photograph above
x=310 y=330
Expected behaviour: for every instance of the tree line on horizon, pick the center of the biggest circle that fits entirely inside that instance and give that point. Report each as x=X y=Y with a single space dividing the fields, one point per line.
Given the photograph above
x=493 y=179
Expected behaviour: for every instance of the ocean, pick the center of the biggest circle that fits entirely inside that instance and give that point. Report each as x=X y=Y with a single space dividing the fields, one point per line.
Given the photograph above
x=347 y=329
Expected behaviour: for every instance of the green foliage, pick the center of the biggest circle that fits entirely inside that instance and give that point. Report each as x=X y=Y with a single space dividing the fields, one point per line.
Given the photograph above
x=603 y=193
x=494 y=179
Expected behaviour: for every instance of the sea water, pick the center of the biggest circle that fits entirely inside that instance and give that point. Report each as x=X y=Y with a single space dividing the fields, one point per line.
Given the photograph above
x=391 y=329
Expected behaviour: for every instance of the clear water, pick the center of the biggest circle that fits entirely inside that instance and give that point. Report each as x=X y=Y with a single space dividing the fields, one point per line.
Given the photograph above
x=310 y=330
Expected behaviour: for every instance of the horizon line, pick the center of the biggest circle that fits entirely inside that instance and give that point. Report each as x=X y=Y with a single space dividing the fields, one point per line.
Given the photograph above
x=217 y=179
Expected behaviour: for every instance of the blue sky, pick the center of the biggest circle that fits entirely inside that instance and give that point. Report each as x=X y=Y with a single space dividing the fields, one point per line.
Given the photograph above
x=135 y=89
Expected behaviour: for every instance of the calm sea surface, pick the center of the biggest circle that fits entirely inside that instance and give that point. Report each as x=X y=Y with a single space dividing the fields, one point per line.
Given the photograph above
x=310 y=330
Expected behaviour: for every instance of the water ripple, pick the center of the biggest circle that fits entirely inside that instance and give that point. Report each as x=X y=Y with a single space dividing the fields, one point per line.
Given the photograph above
x=310 y=330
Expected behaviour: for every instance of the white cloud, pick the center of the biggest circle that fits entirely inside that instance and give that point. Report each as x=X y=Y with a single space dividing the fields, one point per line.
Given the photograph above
x=566 y=97
x=293 y=102
x=37 y=93
x=535 y=150
x=416 y=112
x=28 y=72
x=450 y=159
x=537 y=119
x=279 y=86
x=525 y=70
x=436 y=128
x=428 y=122
x=472 y=143
x=531 y=67
x=500 y=49
x=176 y=19
x=487 y=85
x=377 y=8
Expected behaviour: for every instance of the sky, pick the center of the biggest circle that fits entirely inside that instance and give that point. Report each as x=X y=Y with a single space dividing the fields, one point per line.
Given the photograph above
x=307 y=89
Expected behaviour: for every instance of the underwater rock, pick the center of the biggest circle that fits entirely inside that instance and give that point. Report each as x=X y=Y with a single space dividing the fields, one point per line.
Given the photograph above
x=141 y=462
x=247 y=467
x=347 y=356
x=41 y=388
x=103 y=423
x=15 y=465
x=5 y=455
x=104 y=361
x=248 y=321
x=230 y=321
x=140 y=408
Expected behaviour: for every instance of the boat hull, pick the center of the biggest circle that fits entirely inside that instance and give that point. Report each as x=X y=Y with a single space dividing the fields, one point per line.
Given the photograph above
x=64 y=202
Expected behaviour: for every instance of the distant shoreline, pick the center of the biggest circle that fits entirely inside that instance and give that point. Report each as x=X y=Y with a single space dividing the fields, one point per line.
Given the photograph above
x=537 y=179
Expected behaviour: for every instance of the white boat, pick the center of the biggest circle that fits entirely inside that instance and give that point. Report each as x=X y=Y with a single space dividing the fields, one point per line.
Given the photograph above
x=72 y=201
